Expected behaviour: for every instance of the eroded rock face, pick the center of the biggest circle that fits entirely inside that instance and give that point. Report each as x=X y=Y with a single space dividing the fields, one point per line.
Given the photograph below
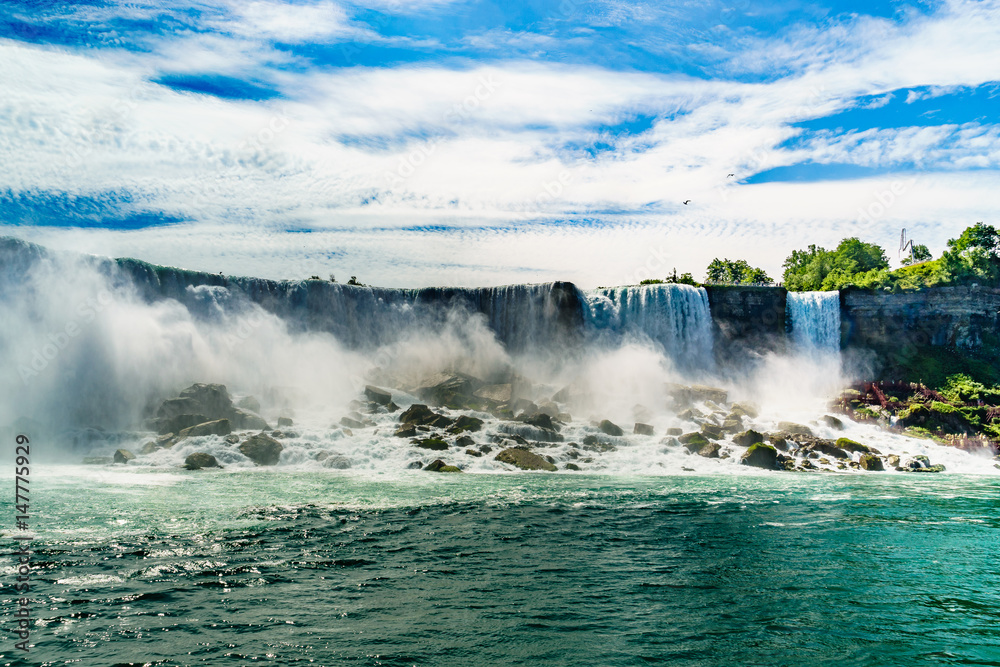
x=642 y=429
x=262 y=449
x=202 y=403
x=524 y=459
x=217 y=427
x=123 y=456
x=200 y=460
x=610 y=428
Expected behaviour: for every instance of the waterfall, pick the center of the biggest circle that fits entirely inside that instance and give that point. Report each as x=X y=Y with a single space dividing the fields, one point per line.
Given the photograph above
x=814 y=319
x=675 y=317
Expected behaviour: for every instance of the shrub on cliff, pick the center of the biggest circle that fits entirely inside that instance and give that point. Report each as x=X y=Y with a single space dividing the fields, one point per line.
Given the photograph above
x=852 y=263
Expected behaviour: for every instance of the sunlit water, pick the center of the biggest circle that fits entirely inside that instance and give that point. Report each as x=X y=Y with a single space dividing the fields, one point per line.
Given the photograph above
x=234 y=567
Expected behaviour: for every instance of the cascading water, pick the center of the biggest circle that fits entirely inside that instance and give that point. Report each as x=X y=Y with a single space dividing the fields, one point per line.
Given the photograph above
x=815 y=321
x=675 y=317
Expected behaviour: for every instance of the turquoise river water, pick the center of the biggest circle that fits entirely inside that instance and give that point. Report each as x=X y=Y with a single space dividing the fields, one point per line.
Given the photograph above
x=247 y=567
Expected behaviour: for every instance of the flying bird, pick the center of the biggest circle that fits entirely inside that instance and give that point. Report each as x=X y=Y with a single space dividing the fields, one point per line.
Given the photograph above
x=730 y=175
x=687 y=201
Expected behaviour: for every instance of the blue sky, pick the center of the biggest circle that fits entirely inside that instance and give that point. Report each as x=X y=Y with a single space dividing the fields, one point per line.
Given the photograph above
x=444 y=142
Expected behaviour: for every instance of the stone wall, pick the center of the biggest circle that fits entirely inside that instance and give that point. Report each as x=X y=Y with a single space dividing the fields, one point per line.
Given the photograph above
x=747 y=321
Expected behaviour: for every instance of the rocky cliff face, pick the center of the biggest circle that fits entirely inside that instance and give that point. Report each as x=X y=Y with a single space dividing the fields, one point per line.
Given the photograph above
x=926 y=333
x=747 y=321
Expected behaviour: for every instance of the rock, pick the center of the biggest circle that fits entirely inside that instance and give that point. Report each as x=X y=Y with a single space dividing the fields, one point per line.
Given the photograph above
x=150 y=447
x=642 y=429
x=852 y=446
x=434 y=444
x=870 y=462
x=794 y=429
x=415 y=465
x=524 y=405
x=262 y=449
x=200 y=460
x=571 y=466
x=249 y=403
x=97 y=460
x=594 y=444
x=420 y=415
x=332 y=460
x=247 y=421
x=280 y=435
x=285 y=421
x=934 y=468
x=440 y=466
x=746 y=410
x=693 y=441
x=691 y=415
x=406 y=431
x=748 y=438
x=466 y=423
x=916 y=462
x=351 y=423
x=450 y=389
x=208 y=399
x=674 y=431
x=524 y=459
x=465 y=441
x=732 y=425
x=123 y=456
x=892 y=460
x=232 y=439
x=760 y=456
x=710 y=451
x=392 y=407
x=376 y=395
x=473 y=452
x=495 y=393
x=485 y=449
x=177 y=423
x=829 y=448
x=541 y=420
x=711 y=431
x=833 y=422
x=217 y=427
x=610 y=428
x=700 y=392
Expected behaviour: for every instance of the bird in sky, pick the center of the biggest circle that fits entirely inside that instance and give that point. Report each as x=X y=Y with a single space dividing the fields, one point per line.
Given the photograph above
x=730 y=175
x=687 y=201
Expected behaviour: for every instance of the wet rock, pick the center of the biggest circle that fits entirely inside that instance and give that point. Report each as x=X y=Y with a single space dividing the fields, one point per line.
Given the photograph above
x=177 y=423
x=466 y=423
x=247 y=421
x=794 y=429
x=710 y=451
x=391 y=407
x=610 y=428
x=760 y=456
x=732 y=425
x=571 y=466
x=285 y=421
x=778 y=441
x=351 y=423
x=523 y=405
x=498 y=394
x=700 y=392
x=829 y=448
x=420 y=415
x=541 y=420
x=485 y=449
x=524 y=459
x=262 y=449
x=415 y=465
x=711 y=431
x=473 y=452
x=434 y=444
x=594 y=444
x=919 y=461
x=748 y=438
x=832 y=422
x=934 y=468
x=870 y=462
x=892 y=460
x=123 y=456
x=450 y=389
x=406 y=431
x=217 y=427
x=149 y=448
x=693 y=441
x=691 y=415
x=674 y=431
x=440 y=466
x=200 y=460
x=465 y=441
x=642 y=429
x=852 y=446
x=745 y=409
x=332 y=460
x=249 y=403
x=377 y=395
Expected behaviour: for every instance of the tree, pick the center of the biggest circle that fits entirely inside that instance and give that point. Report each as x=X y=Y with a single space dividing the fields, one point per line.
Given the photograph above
x=975 y=255
x=853 y=262
x=738 y=272
x=919 y=253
